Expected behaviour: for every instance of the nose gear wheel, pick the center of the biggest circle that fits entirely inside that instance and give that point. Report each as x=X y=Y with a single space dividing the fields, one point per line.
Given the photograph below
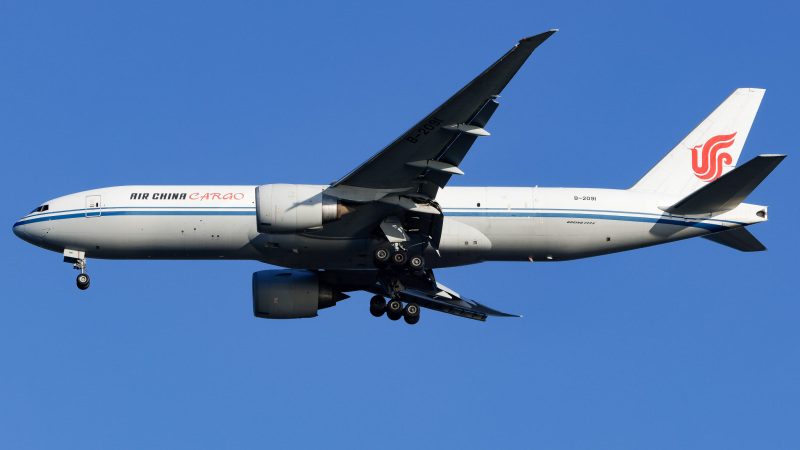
x=82 y=281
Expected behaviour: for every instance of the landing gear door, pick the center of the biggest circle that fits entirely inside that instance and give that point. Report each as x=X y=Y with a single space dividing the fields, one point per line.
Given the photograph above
x=93 y=208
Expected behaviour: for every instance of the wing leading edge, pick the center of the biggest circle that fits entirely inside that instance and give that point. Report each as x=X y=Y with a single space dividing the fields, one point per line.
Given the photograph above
x=423 y=159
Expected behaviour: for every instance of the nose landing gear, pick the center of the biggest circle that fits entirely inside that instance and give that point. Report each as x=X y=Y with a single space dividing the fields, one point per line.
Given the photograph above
x=78 y=260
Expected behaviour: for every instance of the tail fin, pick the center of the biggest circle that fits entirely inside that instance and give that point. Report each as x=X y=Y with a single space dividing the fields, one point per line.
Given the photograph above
x=709 y=151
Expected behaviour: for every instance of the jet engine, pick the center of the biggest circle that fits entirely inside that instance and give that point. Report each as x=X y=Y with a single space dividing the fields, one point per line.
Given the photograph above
x=291 y=294
x=290 y=208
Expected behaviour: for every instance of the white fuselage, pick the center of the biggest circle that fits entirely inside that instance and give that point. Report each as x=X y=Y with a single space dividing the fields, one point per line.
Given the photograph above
x=481 y=224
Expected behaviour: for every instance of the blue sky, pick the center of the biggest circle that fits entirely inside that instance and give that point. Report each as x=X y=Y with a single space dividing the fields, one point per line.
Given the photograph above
x=687 y=345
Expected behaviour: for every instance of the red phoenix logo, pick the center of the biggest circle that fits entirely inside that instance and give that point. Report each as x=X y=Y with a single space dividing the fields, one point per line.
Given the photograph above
x=708 y=164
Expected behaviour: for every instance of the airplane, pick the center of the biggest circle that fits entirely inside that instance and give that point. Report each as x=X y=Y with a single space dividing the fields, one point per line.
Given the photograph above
x=384 y=227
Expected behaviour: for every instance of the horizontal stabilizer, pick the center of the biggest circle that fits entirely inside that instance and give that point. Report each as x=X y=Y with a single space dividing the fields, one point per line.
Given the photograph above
x=728 y=191
x=737 y=238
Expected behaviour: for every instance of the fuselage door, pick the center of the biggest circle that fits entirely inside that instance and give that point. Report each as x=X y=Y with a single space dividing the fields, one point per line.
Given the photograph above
x=93 y=208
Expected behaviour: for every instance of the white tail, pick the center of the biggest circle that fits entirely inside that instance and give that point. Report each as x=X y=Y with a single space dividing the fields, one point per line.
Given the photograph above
x=709 y=151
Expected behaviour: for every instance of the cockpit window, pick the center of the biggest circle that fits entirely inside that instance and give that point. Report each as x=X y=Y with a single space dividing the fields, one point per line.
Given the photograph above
x=41 y=209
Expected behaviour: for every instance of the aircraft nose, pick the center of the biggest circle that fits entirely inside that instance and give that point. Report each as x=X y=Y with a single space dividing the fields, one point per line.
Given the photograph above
x=20 y=229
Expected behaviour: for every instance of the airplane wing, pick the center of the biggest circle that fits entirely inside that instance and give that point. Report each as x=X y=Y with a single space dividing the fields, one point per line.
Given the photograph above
x=457 y=306
x=426 y=292
x=424 y=158
x=392 y=195
x=420 y=289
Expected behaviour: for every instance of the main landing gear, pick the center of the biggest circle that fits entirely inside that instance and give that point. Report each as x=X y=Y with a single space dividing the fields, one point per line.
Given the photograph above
x=397 y=258
x=394 y=309
x=392 y=260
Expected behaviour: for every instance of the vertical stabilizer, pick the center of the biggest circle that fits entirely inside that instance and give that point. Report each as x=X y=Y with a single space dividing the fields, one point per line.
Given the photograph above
x=709 y=151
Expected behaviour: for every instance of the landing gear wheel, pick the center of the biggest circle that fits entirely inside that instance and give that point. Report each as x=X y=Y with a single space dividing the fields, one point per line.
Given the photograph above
x=377 y=306
x=416 y=263
x=394 y=309
x=82 y=281
x=411 y=313
x=382 y=256
x=399 y=258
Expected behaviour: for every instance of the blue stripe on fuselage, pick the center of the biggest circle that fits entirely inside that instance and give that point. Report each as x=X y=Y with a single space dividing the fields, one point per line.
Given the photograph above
x=655 y=219
x=249 y=211
x=104 y=213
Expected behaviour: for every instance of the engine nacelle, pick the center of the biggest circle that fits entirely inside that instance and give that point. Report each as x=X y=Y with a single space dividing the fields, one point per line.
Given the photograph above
x=290 y=208
x=291 y=294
